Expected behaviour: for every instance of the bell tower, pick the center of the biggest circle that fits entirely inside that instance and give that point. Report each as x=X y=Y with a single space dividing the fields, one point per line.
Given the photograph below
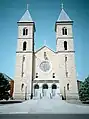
x=66 y=55
x=64 y=34
x=24 y=57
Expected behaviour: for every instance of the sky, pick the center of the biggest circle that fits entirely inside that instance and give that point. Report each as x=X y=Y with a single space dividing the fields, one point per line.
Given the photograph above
x=44 y=13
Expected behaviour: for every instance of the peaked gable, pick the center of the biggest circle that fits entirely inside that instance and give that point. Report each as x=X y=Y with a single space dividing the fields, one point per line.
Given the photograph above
x=43 y=48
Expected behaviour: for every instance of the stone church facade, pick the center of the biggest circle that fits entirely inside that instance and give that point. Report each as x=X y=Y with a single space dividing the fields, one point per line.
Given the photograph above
x=45 y=73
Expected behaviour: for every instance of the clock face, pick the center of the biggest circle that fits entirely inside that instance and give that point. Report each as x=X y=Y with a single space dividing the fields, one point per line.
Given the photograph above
x=45 y=66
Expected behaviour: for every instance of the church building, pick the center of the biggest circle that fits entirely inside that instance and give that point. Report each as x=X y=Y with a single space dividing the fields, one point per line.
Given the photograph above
x=45 y=73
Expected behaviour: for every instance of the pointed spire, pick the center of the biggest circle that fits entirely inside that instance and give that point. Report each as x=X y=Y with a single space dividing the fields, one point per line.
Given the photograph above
x=63 y=15
x=26 y=17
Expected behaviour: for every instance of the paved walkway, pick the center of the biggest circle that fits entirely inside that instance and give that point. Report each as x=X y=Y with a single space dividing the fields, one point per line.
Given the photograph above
x=44 y=106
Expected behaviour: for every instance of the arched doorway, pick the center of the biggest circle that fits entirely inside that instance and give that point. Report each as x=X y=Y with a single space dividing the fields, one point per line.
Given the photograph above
x=36 y=90
x=54 y=87
x=44 y=90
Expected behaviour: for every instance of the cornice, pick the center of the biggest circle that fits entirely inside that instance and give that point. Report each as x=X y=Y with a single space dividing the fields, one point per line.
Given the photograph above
x=24 y=51
x=64 y=38
x=65 y=52
x=25 y=38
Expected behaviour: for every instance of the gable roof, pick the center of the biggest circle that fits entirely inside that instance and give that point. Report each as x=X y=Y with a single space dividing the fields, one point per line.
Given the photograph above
x=44 y=47
x=26 y=17
x=63 y=16
x=6 y=77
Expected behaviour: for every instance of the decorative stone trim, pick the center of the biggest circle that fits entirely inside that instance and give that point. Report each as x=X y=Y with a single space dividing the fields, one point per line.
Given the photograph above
x=46 y=81
x=65 y=52
x=25 y=38
x=59 y=38
x=24 y=52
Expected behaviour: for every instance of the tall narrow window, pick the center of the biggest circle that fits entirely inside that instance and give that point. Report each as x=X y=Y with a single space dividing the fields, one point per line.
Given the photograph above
x=25 y=31
x=53 y=75
x=65 y=45
x=22 y=86
x=24 y=45
x=36 y=75
x=22 y=69
x=44 y=54
x=66 y=74
x=64 y=31
x=22 y=73
x=68 y=86
x=23 y=58
x=65 y=58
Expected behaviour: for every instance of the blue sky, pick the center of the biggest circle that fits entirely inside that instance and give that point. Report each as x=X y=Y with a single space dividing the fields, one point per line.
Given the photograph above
x=44 y=13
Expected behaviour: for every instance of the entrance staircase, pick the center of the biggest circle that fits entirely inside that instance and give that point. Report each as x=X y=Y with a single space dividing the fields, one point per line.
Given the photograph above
x=57 y=96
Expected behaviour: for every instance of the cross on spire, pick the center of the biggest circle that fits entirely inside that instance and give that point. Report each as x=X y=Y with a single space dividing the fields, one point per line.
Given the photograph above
x=27 y=6
x=62 y=5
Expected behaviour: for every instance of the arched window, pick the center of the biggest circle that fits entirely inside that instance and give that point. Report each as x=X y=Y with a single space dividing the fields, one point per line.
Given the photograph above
x=24 y=45
x=36 y=90
x=36 y=86
x=22 y=86
x=64 y=31
x=68 y=86
x=65 y=45
x=54 y=86
x=45 y=86
x=25 y=31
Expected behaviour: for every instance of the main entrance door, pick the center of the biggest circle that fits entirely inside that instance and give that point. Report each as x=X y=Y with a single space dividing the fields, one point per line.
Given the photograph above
x=45 y=90
x=54 y=87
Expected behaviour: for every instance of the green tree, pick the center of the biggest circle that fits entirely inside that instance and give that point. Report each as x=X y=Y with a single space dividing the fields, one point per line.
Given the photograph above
x=84 y=90
x=4 y=87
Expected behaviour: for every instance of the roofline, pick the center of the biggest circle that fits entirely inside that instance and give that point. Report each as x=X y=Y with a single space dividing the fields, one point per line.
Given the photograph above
x=63 y=22
x=25 y=22
x=79 y=80
x=43 y=47
x=65 y=51
x=7 y=76
x=56 y=52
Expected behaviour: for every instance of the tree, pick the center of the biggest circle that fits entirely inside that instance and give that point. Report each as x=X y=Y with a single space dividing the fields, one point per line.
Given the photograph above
x=84 y=90
x=4 y=87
